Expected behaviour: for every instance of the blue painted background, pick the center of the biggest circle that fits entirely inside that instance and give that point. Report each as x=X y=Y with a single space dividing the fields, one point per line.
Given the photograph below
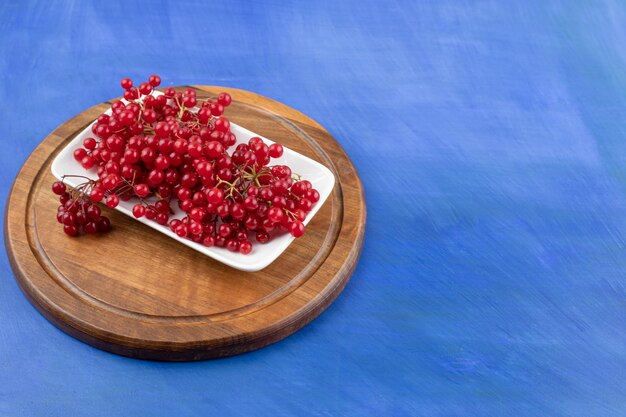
x=491 y=141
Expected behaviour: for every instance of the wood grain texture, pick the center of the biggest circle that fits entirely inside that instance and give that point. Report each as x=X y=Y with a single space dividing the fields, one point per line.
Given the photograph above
x=138 y=293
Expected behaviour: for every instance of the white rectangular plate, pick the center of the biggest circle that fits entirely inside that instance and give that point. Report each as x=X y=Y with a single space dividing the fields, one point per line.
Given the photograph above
x=262 y=255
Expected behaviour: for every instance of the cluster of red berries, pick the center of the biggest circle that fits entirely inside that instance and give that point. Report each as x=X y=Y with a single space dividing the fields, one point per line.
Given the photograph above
x=76 y=212
x=175 y=148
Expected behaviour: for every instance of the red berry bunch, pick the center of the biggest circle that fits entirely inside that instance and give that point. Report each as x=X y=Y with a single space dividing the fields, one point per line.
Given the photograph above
x=174 y=149
x=77 y=212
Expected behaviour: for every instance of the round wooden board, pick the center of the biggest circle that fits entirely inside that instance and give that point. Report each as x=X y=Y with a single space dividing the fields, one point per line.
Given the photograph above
x=139 y=293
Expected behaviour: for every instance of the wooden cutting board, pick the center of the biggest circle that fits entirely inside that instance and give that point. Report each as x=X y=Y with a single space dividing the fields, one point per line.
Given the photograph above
x=136 y=292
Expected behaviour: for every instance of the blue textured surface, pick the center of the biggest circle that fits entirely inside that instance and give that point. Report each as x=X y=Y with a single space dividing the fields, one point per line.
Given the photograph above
x=490 y=139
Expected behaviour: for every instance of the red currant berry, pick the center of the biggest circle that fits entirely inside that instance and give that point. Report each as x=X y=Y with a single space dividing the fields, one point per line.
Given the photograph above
x=64 y=198
x=224 y=99
x=150 y=213
x=281 y=171
x=189 y=101
x=102 y=131
x=155 y=177
x=110 y=181
x=69 y=219
x=87 y=162
x=312 y=195
x=222 y=124
x=208 y=241
x=149 y=116
x=147 y=155
x=195 y=227
x=229 y=139
x=195 y=150
x=215 y=195
x=214 y=149
x=91 y=227
x=300 y=214
x=220 y=241
x=280 y=187
x=183 y=193
x=279 y=201
x=131 y=94
x=164 y=190
x=145 y=88
x=262 y=210
x=174 y=223
x=275 y=150
x=170 y=92
x=245 y=247
x=237 y=211
x=185 y=206
x=126 y=83
x=232 y=245
x=241 y=235
x=58 y=188
x=181 y=230
x=250 y=202
x=79 y=154
x=216 y=109
x=161 y=218
x=267 y=225
x=142 y=190
x=266 y=194
x=162 y=162
x=111 y=167
x=262 y=236
x=81 y=217
x=305 y=204
x=296 y=228
x=70 y=230
x=90 y=143
x=225 y=174
x=154 y=80
x=126 y=118
x=114 y=143
x=60 y=214
x=162 y=206
x=181 y=146
x=223 y=210
x=224 y=230
x=104 y=224
x=112 y=200
x=162 y=129
x=254 y=140
x=225 y=161
x=97 y=194
x=93 y=212
x=105 y=154
x=204 y=169
x=298 y=189
x=197 y=214
x=139 y=210
x=71 y=206
x=275 y=214
x=217 y=136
